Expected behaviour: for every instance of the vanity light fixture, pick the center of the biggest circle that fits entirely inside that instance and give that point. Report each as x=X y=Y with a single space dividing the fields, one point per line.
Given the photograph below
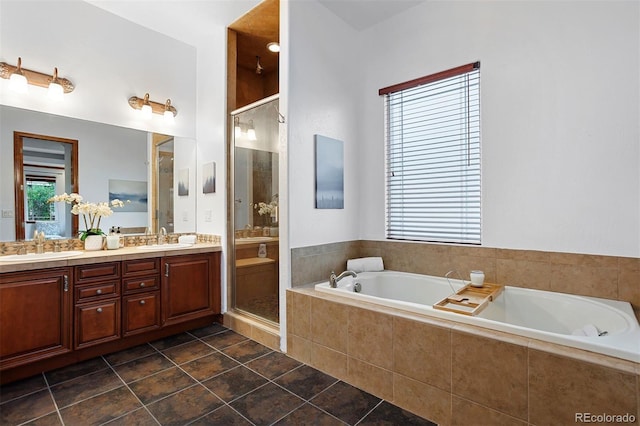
x=149 y=107
x=237 y=129
x=20 y=77
x=274 y=47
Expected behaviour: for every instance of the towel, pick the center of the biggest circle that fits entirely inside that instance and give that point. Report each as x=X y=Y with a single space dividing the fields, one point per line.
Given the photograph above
x=365 y=264
x=588 y=330
x=187 y=239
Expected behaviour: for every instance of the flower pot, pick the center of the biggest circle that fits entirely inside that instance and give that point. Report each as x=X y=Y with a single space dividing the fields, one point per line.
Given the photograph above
x=93 y=242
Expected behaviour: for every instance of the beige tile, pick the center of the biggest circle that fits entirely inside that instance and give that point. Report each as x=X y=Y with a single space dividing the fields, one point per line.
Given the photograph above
x=590 y=260
x=331 y=362
x=298 y=314
x=329 y=324
x=490 y=372
x=370 y=337
x=530 y=255
x=585 y=279
x=629 y=281
x=524 y=273
x=560 y=387
x=465 y=413
x=299 y=348
x=424 y=400
x=370 y=378
x=266 y=337
x=422 y=352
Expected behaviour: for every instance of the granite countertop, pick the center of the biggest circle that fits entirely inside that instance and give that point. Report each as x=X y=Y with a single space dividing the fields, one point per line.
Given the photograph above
x=99 y=256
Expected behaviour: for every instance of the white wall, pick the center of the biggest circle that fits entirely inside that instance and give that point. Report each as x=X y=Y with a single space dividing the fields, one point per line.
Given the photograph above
x=108 y=59
x=324 y=70
x=560 y=116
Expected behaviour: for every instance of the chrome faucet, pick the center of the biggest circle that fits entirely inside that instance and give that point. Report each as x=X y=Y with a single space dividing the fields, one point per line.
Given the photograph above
x=333 y=280
x=449 y=281
x=162 y=236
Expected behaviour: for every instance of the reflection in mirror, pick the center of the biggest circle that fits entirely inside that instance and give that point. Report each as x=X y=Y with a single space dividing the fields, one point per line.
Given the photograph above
x=163 y=209
x=108 y=157
x=255 y=211
x=44 y=166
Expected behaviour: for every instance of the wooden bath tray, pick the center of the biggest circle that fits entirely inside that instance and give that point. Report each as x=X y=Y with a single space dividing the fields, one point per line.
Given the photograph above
x=470 y=300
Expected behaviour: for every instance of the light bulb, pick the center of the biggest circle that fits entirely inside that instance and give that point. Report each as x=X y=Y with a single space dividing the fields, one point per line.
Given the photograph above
x=18 y=83
x=56 y=92
x=146 y=109
x=251 y=134
x=168 y=117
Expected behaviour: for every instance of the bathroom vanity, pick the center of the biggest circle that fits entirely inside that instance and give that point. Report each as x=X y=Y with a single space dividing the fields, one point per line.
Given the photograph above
x=55 y=313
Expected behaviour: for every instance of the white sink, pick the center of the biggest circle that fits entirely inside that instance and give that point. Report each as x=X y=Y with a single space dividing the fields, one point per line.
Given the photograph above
x=33 y=257
x=160 y=247
x=253 y=239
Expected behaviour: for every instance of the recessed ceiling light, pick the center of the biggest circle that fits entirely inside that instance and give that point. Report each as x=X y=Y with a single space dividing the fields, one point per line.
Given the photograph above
x=273 y=47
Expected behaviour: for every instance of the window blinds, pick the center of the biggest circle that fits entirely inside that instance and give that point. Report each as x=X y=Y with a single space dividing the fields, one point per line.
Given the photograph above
x=433 y=157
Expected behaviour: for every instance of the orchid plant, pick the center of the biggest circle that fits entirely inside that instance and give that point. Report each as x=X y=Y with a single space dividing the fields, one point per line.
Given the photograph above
x=271 y=208
x=91 y=212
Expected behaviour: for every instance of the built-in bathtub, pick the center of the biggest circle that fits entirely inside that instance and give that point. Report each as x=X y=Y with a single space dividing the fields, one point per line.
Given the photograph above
x=537 y=314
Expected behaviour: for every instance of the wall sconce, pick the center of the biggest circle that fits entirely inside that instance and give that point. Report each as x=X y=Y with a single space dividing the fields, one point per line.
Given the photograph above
x=149 y=108
x=19 y=79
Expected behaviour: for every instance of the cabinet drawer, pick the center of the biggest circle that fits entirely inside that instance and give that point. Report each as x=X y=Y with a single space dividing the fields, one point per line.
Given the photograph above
x=133 y=285
x=140 y=267
x=98 y=271
x=97 y=323
x=103 y=290
x=140 y=313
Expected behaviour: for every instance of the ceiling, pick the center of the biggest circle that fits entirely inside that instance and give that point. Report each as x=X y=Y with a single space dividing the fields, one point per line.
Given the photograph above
x=362 y=14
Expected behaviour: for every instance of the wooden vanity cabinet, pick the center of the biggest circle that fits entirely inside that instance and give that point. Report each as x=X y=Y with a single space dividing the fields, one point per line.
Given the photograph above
x=97 y=304
x=141 y=296
x=190 y=287
x=35 y=316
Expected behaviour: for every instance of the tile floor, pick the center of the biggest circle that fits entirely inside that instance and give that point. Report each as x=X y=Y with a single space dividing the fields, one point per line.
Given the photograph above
x=208 y=376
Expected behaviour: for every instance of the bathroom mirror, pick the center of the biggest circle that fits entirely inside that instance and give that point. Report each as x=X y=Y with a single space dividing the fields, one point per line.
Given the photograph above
x=108 y=157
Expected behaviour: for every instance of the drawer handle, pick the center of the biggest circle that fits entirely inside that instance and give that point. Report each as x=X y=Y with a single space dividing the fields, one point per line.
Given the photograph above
x=142 y=302
x=99 y=310
x=141 y=284
x=99 y=291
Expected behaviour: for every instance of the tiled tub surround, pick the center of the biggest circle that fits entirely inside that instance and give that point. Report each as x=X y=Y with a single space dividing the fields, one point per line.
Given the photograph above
x=537 y=314
x=608 y=277
x=451 y=372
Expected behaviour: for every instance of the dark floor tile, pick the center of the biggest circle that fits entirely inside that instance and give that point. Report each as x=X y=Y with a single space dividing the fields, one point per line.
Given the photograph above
x=100 y=408
x=214 y=328
x=306 y=382
x=176 y=339
x=184 y=406
x=246 y=351
x=75 y=370
x=309 y=415
x=273 y=365
x=22 y=387
x=208 y=366
x=389 y=414
x=143 y=367
x=224 y=415
x=52 y=419
x=187 y=352
x=161 y=385
x=84 y=387
x=140 y=417
x=267 y=404
x=345 y=402
x=234 y=383
x=130 y=354
x=26 y=408
x=225 y=339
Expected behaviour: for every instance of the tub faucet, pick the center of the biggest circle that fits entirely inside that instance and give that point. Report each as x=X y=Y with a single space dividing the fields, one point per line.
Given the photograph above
x=333 y=280
x=449 y=281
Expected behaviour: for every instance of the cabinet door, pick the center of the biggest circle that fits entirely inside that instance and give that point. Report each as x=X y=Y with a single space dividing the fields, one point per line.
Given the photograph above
x=35 y=316
x=190 y=287
x=140 y=313
x=97 y=322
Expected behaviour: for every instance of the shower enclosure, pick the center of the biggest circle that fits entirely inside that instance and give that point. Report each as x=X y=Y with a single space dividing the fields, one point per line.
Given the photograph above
x=255 y=209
